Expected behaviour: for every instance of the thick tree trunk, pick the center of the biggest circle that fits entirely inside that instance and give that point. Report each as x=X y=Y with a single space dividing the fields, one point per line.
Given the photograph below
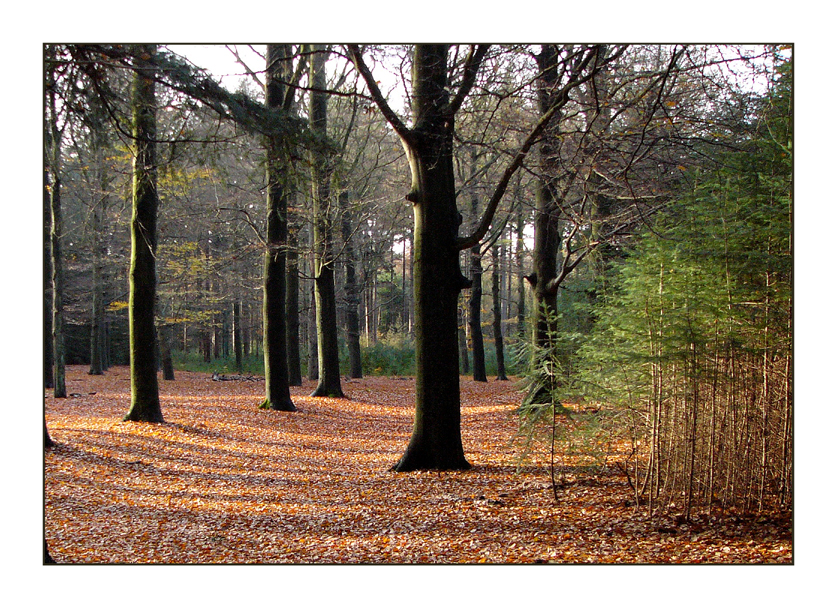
x=498 y=317
x=145 y=399
x=436 y=442
x=277 y=389
x=324 y=292
x=351 y=289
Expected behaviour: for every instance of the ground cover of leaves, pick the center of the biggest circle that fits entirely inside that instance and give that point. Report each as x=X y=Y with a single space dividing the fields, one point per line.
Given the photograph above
x=222 y=481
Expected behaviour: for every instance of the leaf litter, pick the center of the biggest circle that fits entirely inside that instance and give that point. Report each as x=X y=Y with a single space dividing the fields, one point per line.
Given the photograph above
x=222 y=481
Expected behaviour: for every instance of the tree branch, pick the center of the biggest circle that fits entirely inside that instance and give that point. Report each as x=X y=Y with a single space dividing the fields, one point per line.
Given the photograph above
x=472 y=66
x=392 y=118
x=560 y=100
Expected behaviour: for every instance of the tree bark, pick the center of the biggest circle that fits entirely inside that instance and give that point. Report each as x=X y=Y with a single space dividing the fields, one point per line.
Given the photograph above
x=475 y=301
x=277 y=389
x=436 y=442
x=145 y=399
x=498 y=317
x=53 y=143
x=324 y=292
x=292 y=300
x=521 y=286
x=165 y=351
x=351 y=289
x=98 y=313
x=47 y=276
x=547 y=217
x=239 y=361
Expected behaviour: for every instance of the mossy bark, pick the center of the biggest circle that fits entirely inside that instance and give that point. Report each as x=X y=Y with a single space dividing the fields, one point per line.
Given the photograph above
x=145 y=398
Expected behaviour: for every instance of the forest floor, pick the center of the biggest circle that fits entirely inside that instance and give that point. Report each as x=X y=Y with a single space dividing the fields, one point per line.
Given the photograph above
x=223 y=481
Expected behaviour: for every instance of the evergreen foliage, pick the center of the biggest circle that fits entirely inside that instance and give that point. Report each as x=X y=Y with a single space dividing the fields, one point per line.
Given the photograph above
x=694 y=339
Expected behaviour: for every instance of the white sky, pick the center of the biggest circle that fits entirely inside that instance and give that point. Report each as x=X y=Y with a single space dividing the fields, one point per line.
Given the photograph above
x=220 y=60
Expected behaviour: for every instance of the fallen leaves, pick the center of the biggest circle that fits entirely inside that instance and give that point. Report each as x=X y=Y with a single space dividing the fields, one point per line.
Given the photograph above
x=223 y=481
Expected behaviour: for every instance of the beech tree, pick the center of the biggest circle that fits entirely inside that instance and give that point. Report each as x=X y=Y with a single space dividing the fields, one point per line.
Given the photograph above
x=326 y=304
x=52 y=151
x=436 y=442
x=278 y=95
x=145 y=398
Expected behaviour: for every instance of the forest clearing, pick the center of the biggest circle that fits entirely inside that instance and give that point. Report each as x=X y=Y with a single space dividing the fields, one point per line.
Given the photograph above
x=222 y=481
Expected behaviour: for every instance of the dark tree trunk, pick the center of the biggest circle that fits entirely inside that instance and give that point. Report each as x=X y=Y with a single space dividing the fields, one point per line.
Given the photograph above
x=100 y=207
x=292 y=300
x=47 y=277
x=351 y=289
x=166 y=362
x=475 y=302
x=145 y=398
x=48 y=442
x=277 y=389
x=498 y=317
x=239 y=361
x=521 y=286
x=436 y=442
x=313 y=358
x=47 y=557
x=464 y=357
x=547 y=218
x=324 y=292
x=53 y=142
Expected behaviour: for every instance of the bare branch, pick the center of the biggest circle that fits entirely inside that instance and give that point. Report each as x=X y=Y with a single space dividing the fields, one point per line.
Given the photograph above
x=561 y=98
x=392 y=118
x=472 y=66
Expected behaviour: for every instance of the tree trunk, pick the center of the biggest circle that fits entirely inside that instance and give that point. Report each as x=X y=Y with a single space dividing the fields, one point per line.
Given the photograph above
x=47 y=276
x=145 y=399
x=53 y=143
x=464 y=357
x=98 y=312
x=48 y=442
x=165 y=352
x=292 y=301
x=324 y=292
x=475 y=302
x=277 y=389
x=547 y=219
x=239 y=361
x=498 y=317
x=521 y=286
x=436 y=442
x=351 y=302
